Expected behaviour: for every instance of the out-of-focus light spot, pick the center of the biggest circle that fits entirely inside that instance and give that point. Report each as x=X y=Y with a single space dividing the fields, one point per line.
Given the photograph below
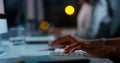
x=69 y=10
x=44 y=26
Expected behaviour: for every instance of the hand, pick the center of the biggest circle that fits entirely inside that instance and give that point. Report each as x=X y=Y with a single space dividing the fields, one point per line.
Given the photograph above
x=63 y=41
x=81 y=43
x=92 y=47
x=102 y=51
x=70 y=43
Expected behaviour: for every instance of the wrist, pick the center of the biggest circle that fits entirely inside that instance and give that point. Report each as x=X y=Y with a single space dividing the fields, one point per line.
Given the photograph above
x=114 y=49
x=103 y=41
x=99 y=41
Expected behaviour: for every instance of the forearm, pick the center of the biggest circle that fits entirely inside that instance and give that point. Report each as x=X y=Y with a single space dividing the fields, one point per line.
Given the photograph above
x=117 y=52
x=113 y=42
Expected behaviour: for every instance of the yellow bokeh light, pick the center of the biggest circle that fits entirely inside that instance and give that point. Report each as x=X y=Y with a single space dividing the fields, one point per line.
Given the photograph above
x=69 y=10
x=44 y=26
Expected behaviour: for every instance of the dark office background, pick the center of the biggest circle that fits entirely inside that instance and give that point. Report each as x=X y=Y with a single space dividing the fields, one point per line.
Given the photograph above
x=14 y=12
x=53 y=12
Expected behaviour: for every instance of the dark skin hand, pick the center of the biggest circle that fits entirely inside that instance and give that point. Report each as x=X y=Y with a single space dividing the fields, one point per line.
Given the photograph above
x=94 y=48
x=64 y=41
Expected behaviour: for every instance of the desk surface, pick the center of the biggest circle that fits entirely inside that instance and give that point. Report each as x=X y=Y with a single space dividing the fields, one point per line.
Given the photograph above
x=17 y=52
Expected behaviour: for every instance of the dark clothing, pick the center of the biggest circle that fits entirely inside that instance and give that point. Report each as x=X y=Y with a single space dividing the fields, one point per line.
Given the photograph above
x=112 y=29
x=115 y=23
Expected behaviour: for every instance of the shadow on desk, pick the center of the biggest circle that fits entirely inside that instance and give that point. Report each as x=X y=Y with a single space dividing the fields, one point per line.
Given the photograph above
x=69 y=61
x=48 y=59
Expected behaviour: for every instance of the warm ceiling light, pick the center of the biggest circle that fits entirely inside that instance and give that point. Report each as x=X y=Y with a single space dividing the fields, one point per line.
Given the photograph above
x=69 y=10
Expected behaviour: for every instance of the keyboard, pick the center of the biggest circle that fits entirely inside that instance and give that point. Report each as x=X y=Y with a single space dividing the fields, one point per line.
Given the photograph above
x=60 y=52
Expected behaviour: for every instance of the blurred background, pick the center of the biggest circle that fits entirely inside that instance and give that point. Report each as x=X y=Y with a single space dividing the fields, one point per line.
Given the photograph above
x=35 y=15
x=39 y=22
x=37 y=11
x=61 y=16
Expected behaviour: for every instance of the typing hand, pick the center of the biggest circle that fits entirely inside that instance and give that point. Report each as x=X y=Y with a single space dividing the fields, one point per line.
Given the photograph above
x=63 y=41
x=92 y=47
x=68 y=42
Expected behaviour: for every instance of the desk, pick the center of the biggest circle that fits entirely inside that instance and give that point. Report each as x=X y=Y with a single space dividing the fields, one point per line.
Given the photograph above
x=15 y=53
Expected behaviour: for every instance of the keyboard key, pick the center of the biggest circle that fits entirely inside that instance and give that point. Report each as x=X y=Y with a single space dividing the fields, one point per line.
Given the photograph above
x=60 y=52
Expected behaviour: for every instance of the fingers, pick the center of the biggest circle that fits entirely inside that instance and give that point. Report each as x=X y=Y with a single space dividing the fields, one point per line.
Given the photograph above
x=56 y=41
x=72 y=47
x=76 y=48
x=63 y=40
x=62 y=46
x=69 y=47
